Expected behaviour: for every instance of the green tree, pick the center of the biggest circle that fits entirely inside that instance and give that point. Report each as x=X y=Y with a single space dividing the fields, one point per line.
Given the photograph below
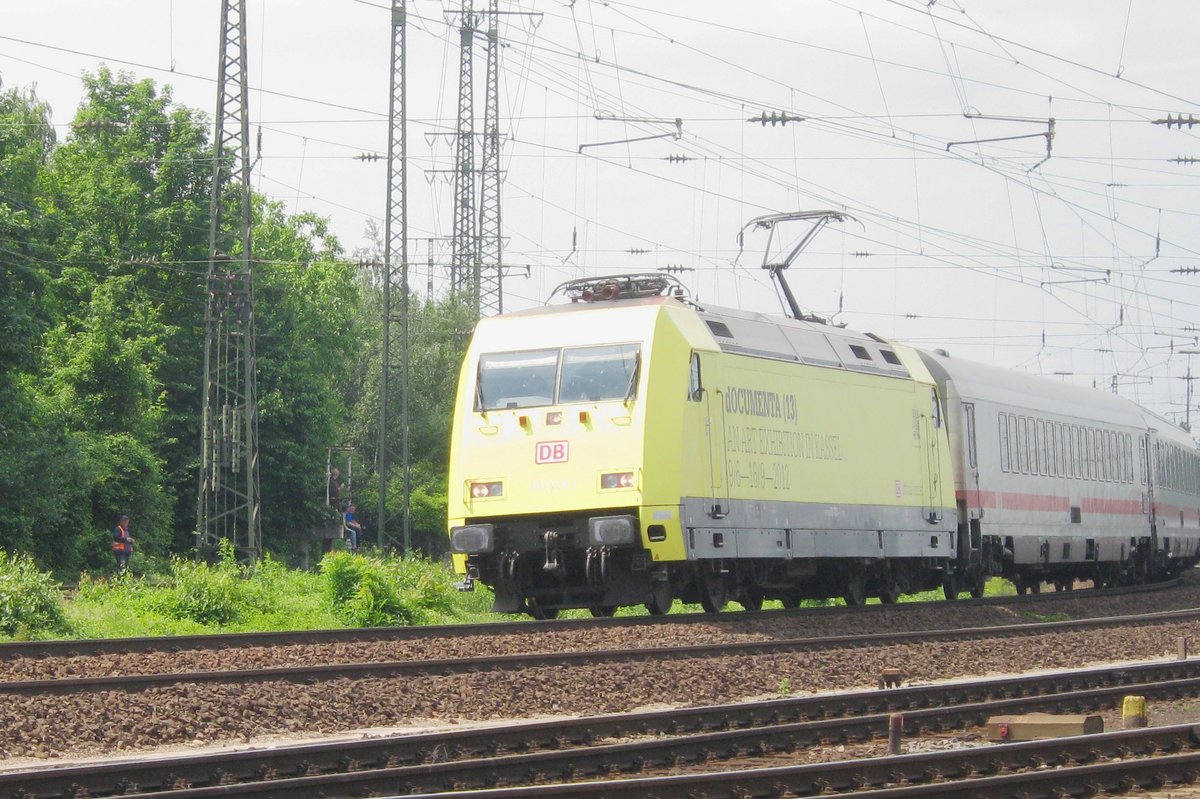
x=308 y=344
x=439 y=331
x=39 y=468
x=127 y=198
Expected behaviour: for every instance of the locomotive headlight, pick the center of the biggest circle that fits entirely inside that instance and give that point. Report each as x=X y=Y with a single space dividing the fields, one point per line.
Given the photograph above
x=612 y=531
x=474 y=539
x=481 y=490
x=617 y=480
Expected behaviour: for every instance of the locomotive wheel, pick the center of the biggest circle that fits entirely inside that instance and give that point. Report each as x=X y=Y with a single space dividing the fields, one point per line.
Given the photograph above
x=751 y=599
x=661 y=597
x=1019 y=583
x=789 y=601
x=856 y=589
x=1035 y=586
x=952 y=586
x=538 y=612
x=603 y=611
x=978 y=583
x=714 y=593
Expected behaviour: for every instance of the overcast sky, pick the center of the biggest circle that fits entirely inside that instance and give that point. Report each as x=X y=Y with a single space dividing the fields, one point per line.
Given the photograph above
x=1060 y=265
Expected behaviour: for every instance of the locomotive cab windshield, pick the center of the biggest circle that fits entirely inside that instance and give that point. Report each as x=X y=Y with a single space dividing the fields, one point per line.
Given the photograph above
x=534 y=378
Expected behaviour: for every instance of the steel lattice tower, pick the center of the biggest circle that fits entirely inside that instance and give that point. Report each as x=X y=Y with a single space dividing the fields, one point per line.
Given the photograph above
x=464 y=263
x=491 y=270
x=395 y=280
x=228 y=505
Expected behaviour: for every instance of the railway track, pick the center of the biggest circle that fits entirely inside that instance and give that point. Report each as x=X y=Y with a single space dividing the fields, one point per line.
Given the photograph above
x=310 y=673
x=171 y=644
x=573 y=749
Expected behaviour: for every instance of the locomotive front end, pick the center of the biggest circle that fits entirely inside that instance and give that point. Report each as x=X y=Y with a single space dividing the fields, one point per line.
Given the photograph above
x=546 y=476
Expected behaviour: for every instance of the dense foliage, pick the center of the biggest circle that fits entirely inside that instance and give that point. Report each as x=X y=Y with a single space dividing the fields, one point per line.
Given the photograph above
x=29 y=600
x=103 y=251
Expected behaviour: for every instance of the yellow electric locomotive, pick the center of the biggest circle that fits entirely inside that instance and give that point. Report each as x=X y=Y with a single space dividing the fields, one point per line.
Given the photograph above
x=633 y=447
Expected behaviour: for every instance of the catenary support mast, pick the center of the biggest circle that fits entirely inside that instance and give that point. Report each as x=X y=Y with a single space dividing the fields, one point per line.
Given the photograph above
x=491 y=269
x=228 y=505
x=395 y=286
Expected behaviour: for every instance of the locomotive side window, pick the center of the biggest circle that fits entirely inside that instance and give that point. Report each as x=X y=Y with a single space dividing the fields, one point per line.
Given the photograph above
x=695 y=387
x=590 y=374
x=516 y=379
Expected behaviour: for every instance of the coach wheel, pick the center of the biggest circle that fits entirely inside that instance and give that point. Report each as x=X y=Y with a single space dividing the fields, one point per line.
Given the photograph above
x=538 y=612
x=714 y=593
x=603 y=611
x=789 y=601
x=1019 y=583
x=751 y=599
x=856 y=589
x=952 y=586
x=1035 y=586
x=889 y=589
x=661 y=597
x=977 y=584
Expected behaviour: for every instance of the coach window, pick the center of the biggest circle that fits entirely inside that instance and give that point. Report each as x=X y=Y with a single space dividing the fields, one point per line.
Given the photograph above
x=969 y=413
x=695 y=387
x=1119 y=446
x=1105 y=465
x=1073 y=446
x=1023 y=444
x=1093 y=462
x=1004 y=454
x=1038 y=466
x=1014 y=445
x=1055 y=431
x=1062 y=450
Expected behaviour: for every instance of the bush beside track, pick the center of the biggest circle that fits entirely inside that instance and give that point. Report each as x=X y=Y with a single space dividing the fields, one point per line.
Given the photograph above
x=183 y=597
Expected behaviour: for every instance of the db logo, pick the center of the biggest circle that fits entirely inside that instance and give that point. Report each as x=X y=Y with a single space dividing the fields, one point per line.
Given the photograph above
x=551 y=452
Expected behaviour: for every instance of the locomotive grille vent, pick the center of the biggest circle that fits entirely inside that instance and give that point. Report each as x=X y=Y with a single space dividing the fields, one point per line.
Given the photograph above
x=719 y=328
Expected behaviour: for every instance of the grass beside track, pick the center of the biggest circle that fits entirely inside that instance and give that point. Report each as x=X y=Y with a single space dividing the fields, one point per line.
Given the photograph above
x=346 y=591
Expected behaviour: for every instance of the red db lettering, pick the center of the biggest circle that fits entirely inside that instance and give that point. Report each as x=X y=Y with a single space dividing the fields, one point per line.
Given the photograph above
x=551 y=452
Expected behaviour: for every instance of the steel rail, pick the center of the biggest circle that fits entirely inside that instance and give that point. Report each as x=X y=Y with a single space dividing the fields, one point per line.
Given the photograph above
x=1113 y=761
x=475 y=665
x=480 y=757
x=99 y=646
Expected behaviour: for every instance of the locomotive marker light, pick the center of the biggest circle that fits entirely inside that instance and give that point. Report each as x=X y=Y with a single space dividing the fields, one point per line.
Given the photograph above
x=488 y=490
x=617 y=480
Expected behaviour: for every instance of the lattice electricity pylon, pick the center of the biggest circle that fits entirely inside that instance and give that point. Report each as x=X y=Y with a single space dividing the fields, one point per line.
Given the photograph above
x=395 y=284
x=227 y=504
x=464 y=263
x=491 y=269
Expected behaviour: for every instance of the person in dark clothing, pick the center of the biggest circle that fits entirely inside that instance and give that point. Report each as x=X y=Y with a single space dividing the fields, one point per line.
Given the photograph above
x=122 y=544
x=335 y=488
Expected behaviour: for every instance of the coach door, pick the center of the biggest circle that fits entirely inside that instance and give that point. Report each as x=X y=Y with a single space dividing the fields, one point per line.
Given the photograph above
x=971 y=458
x=931 y=425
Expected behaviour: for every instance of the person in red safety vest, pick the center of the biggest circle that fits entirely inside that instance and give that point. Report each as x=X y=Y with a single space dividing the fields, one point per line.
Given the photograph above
x=122 y=544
